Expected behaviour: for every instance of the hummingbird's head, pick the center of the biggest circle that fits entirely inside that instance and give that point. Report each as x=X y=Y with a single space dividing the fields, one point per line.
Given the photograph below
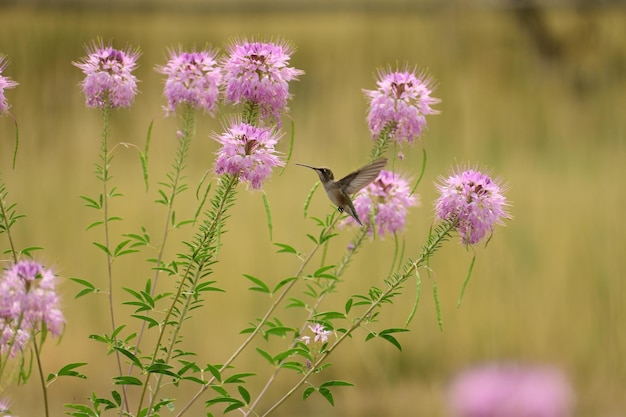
x=324 y=173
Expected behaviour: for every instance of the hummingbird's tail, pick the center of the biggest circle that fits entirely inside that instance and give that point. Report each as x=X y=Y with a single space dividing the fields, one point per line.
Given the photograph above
x=352 y=212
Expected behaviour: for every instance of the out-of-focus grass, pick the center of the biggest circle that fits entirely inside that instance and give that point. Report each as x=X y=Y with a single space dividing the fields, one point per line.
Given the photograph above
x=548 y=288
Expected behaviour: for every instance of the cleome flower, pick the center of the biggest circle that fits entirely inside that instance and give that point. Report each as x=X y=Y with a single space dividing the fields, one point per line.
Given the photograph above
x=28 y=302
x=258 y=72
x=5 y=83
x=475 y=200
x=108 y=75
x=400 y=103
x=193 y=78
x=248 y=152
x=388 y=198
x=511 y=390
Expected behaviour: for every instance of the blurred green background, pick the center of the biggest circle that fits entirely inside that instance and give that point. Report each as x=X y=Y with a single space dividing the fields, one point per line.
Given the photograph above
x=535 y=94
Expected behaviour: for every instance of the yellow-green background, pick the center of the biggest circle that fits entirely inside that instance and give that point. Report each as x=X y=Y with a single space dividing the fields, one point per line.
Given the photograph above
x=548 y=288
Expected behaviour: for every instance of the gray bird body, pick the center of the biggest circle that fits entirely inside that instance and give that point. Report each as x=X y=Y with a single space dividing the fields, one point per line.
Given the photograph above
x=339 y=191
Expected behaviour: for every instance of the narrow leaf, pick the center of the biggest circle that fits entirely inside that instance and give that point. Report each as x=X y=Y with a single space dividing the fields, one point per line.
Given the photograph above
x=285 y=248
x=268 y=213
x=467 y=278
x=309 y=197
x=127 y=380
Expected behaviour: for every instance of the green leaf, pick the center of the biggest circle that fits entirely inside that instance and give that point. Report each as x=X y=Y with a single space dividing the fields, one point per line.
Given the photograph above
x=89 y=287
x=68 y=370
x=348 y=305
x=151 y=322
x=320 y=273
x=81 y=410
x=94 y=224
x=307 y=392
x=234 y=403
x=279 y=330
x=327 y=394
x=134 y=359
x=162 y=368
x=437 y=306
x=215 y=371
x=268 y=213
x=392 y=340
x=244 y=394
x=329 y=315
x=102 y=247
x=266 y=355
x=116 y=397
x=337 y=384
x=144 y=155
x=127 y=380
x=238 y=378
x=467 y=278
x=309 y=197
x=91 y=202
x=284 y=248
x=260 y=285
x=283 y=283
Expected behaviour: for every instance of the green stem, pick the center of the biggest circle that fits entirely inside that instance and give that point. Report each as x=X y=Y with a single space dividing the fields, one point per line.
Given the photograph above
x=6 y=222
x=357 y=241
x=434 y=242
x=264 y=320
x=42 y=379
x=188 y=132
x=208 y=237
x=104 y=177
x=382 y=141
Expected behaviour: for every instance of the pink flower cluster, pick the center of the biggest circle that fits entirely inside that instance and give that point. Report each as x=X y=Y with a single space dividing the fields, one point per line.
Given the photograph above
x=193 y=78
x=389 y=196
x=401 y=102
x=247 y=151
x=28 y=302
x=5 y=82
x=258 y=72
x=108 y=76
x=475 y=200
x=509 y=390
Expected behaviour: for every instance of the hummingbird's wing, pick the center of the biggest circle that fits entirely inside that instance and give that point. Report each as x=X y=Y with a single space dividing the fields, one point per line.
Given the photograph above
x=360 y=178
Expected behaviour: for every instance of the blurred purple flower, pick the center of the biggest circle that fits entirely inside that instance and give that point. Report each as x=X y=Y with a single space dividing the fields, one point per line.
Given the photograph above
x=4 y=408
x=401 y=102
x=475 y=199
x=28 y=300
x=5 y=82
x=108 y=75
x=258 y=72
x=390 y=196
x=247 y=151
x=508 y=390
x=193 y=78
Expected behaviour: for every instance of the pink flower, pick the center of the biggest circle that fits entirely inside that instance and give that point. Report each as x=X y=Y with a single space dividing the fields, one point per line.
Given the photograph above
x=193 y=78
x=247 y=151
x=508 y=390
x=475 y=200
x=258 y=72
x=28 y=301
x=108 y=75
x=321 y=334
x=5 y=83
x=389 y=196
x=400 y=103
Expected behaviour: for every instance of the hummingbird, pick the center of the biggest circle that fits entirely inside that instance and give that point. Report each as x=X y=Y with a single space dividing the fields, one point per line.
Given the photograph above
x=340 y=191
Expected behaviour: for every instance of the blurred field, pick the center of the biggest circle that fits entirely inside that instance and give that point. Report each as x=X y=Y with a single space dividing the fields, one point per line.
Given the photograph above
x=549 y=287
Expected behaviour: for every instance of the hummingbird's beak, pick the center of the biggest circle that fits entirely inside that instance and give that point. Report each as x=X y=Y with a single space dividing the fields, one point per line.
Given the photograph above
x=308 y=166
